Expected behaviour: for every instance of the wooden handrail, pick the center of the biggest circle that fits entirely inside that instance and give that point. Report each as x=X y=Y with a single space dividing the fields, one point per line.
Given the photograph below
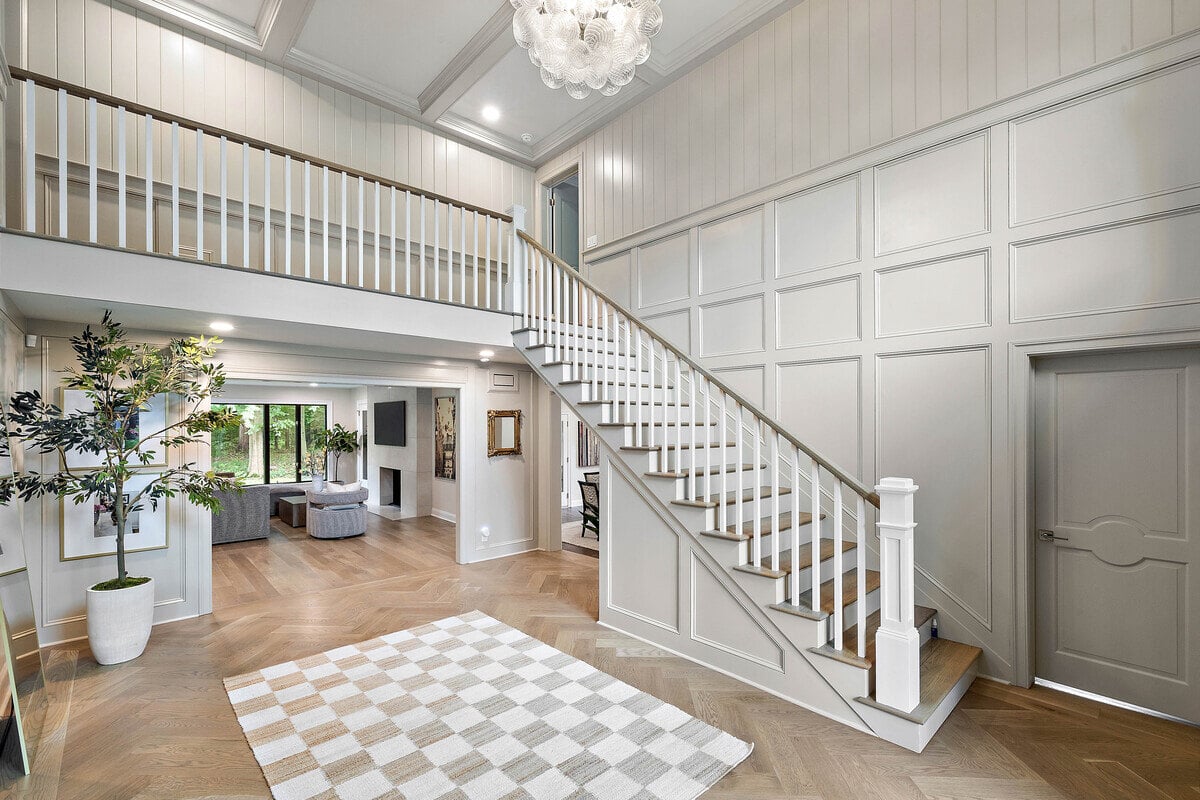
x=856 y=485
x=258 y=144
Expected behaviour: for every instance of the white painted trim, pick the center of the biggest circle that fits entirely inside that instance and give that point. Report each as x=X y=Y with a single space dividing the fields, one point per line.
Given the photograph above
x=368 y=88
x=208 y=22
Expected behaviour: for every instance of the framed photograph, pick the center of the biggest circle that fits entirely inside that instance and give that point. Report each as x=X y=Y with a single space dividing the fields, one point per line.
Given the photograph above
x=146 y=421
x=589 y=447
x=89 y=529
x=445 y=425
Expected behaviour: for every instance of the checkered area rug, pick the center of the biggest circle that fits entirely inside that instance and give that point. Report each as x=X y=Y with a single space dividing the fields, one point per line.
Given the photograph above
x=468 y=708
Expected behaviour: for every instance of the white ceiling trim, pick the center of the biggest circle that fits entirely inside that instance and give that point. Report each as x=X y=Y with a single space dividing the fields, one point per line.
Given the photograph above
x=485 y=136
x=279 y=26
x=210 y=23
x=479 y=55
x=357 y=84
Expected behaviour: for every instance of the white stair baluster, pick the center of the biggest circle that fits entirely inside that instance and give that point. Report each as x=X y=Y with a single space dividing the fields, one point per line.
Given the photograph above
x=245 y=205
x=758 y=490
x=487 y=263
x=325 y=220
x=421 y=257
x=307 y=219
x=475 y=272
x=392 y=238
x=860 y=553
x=377 y=265
x=287 y=214
x=30 y=153
x=839 y=623
x=693 y=379
x=450 y=252
x=639 y=374
x=776 y=467
x=345 y=230
x=723 y=437
x=437 y=251
x=149 y=184
x=362 y=266
x=794 y=587
x=739 y=438
x=462 y=255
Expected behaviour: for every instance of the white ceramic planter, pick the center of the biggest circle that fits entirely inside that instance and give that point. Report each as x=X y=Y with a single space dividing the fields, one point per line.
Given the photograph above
x=318 y=484
x=119 y=622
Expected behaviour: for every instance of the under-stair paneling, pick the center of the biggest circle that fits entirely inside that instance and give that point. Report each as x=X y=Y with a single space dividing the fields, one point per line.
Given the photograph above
x=718 y=621
x=1056 y=152
x=643 y=569
x=934 y=419
x=664 y=271
x=943 y=294
x=895 y=286
x=821 y=403
x=819 y=313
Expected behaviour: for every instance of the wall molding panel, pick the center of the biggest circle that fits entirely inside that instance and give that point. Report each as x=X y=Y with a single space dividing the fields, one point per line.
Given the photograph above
x=884 y=345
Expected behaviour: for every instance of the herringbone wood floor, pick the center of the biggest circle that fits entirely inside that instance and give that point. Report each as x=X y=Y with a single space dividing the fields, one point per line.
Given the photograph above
x=161 y=727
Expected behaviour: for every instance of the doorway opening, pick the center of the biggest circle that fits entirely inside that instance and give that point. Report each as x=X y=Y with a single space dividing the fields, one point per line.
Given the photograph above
x=580 y=464
x=562 y=218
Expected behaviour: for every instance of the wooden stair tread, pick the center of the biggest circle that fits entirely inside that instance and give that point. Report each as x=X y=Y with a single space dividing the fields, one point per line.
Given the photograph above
x=849 y=651
x=849 y=590
x=785 y=524
x=731 y=498
x=715 y=470
x=943 y=663
x=803 y=559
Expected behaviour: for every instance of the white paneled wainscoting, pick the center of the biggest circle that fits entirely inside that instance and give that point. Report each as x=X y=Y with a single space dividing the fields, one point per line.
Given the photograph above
x=888 y=309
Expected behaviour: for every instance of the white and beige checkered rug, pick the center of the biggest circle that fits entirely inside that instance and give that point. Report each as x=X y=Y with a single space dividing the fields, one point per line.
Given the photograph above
x=468 y=708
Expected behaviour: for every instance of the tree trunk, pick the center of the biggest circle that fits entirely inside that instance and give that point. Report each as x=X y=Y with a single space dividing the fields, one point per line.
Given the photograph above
x=119 y=506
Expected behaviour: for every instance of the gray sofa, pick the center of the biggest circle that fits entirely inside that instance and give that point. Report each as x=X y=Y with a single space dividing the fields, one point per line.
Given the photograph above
x=243 y=516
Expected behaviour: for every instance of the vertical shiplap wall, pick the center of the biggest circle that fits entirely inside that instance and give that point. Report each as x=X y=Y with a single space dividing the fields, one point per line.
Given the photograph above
x=878 y=309
x=834 y=77
x=110 y=47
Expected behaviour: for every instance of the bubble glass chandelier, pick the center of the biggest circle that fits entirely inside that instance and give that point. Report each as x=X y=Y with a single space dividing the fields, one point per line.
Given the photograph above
x=586 y=45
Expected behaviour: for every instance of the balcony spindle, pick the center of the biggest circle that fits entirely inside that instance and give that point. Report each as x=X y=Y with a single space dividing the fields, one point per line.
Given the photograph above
x=149 y=184
x=325 y=220
x=739 y=440
x=723 y=434
x=30 y=144
x=437 y=250
x=199 y=195
x=223 y=222
x=695 y=495
x=174 y=182
x=758 y=492
x=377 y=264
x=267 y=264
x=122 y=171
x=287 y=214
x=362 y=264
x=345 y=230
x=450 y=252
x=308 y=219
x=860 y=571
x=487 y=263
x=421 y=258
x=794 y=578
x=462 y=257
x=93 y=200
x=815 y=528
x=475 y=273
x=62 y=165
x=640 y=375
x=245 y=205
x=776 y=467
x=392 y=237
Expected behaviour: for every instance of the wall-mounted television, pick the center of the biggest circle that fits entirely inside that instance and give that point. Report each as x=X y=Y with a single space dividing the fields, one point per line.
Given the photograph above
x=389 y=423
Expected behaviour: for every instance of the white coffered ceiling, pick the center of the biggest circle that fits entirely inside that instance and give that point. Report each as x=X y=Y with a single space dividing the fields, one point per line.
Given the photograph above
x=442 y=61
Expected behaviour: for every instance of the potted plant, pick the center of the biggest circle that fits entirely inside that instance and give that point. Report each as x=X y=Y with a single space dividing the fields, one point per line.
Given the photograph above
x=336 y=441
x=119 y=379
x=315 y=460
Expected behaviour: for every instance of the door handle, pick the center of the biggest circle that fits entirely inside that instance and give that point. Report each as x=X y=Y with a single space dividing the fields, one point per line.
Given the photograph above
x=1048 y=536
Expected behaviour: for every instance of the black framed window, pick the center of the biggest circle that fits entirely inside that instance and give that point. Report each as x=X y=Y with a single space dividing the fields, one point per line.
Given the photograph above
x=269 y=443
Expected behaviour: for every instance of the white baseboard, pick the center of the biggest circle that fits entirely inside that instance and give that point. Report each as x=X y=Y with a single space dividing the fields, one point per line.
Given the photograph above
x=444 y=515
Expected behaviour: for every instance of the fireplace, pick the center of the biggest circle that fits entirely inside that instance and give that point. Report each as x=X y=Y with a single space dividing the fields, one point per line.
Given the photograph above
x=389 y=487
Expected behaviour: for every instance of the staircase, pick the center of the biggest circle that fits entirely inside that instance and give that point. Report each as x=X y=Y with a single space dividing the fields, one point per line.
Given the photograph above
x=748 y=493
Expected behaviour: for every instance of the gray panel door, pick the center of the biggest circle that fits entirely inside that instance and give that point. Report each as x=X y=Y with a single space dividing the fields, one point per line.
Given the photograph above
x=1117 y=450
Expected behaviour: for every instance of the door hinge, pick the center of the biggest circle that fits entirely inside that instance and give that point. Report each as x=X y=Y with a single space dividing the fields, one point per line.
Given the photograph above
x=1048 y=536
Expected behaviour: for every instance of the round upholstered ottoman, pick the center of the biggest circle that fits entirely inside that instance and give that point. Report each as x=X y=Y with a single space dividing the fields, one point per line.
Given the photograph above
x=337 y=513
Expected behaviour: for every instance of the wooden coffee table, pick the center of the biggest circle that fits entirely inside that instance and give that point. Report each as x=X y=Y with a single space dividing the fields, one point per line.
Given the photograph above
x=294 y=510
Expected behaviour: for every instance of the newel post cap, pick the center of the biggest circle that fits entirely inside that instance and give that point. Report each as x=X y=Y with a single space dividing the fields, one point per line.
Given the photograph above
x=896 y=486
x=517 y=212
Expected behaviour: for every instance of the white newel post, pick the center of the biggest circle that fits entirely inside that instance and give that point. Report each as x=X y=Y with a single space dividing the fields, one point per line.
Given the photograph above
x=514 y=294
x=897 y=642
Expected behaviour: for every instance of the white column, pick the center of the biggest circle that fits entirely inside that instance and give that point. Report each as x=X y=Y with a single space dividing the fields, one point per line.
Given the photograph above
x=514 y=293
x=897 y=642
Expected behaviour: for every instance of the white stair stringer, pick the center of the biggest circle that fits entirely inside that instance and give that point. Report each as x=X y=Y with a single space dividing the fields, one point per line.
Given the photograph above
x=740 y=608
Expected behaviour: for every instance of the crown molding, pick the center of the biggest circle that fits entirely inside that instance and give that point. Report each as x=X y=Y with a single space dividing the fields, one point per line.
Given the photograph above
x=517 y=151
x=280 y=23
x=581 y=125
x=746 y=17
x=364 y=87
x=208 y=22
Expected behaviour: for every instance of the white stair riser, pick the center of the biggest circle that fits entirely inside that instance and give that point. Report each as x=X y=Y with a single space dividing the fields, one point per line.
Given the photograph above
x=763 y=591
x=667 y=434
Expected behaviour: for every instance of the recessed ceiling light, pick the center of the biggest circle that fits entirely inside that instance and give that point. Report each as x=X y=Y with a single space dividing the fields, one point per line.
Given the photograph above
x=314 y=384
x=486 y=353
x=222 y=327
x=484 y=360
x=491 y=113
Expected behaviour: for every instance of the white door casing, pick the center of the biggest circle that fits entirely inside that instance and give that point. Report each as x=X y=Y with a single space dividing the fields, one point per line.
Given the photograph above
x=1117 y=461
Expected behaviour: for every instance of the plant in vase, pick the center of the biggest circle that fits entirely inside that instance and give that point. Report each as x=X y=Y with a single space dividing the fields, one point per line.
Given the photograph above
x=315 y=460
x=335 y=441
x=119 y=379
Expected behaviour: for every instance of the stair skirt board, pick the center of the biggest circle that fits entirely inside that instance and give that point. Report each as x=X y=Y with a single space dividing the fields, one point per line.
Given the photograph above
x=827 y=684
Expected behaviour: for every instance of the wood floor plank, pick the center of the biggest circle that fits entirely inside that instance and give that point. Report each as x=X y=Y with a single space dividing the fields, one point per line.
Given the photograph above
x=161 y=728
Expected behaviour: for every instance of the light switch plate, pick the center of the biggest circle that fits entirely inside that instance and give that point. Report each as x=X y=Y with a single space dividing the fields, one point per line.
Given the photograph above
x=591 y=241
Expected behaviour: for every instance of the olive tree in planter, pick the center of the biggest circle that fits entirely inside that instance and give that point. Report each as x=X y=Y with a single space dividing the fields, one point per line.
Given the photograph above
x=119 y=379
x=335 y=441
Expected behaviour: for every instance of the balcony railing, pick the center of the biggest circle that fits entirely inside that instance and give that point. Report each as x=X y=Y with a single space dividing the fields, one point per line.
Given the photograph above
x=100 y=169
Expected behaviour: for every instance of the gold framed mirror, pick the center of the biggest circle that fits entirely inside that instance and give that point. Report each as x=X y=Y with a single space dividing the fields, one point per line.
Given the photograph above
x=504 y=433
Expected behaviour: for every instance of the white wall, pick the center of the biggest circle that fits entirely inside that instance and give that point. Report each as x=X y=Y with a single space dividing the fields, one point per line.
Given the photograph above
x=339 y=405
x=414 y=459
x=109 y=47
x=883 y=308
x=831 y=78
x=445 y=492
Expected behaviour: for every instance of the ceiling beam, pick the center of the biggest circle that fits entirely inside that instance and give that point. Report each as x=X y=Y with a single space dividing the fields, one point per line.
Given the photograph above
x=489 y=44
x=279 y=25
